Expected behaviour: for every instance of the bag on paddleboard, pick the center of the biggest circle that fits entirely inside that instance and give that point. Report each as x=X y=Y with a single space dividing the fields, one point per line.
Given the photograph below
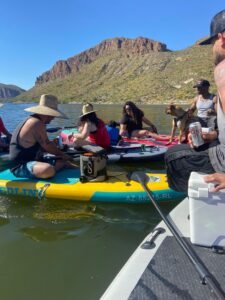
x=93 y=167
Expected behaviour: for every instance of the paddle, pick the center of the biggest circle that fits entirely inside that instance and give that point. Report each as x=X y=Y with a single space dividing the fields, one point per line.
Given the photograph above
x=55 y=129
x=199 y=266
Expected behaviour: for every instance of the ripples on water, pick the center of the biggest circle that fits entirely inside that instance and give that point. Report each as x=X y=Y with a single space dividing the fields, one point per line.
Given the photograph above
x=68 y=250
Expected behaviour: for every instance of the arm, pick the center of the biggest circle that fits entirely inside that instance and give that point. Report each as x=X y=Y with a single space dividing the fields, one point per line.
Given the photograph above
x=3 y=129
x=192 y=109
x=215 y=102
x=219 y=75
x=123 y=130
x=40 y=135
x=148 y=122
x=85 y=131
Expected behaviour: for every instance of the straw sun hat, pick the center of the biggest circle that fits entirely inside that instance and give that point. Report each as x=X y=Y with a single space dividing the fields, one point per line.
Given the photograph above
x=48 y=106
x=87 y=109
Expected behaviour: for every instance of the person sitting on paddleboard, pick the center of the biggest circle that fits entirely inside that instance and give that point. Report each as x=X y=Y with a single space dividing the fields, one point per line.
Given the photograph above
x=131 y=124
x=5 y=136
x=113 y=132
x=29 y=142
x=92 y=130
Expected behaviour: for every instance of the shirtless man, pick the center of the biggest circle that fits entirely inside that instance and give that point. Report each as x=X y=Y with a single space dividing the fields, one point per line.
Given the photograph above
x=30 y=140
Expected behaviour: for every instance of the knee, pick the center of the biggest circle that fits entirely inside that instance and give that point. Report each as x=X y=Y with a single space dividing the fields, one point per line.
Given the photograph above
x=44 y=171
x=49 y=172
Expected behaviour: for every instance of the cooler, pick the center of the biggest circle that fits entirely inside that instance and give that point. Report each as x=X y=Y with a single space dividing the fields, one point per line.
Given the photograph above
x=207 y=213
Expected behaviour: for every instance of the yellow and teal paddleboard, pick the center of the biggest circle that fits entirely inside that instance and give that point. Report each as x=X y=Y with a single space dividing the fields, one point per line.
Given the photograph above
x=66 y=185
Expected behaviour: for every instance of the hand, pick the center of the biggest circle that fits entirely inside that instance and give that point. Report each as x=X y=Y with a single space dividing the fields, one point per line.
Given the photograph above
x=72 y=137
x=218 y=179
x=153 y=128
x=66 y=157
x=207 y=137
x=210 y=136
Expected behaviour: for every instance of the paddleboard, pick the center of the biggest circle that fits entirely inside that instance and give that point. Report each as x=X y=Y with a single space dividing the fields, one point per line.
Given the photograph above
x=124 y=152
x=66 y=185
x=162 y=141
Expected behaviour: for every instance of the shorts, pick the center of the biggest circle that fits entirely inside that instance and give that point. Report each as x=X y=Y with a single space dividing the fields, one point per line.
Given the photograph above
x=181 y=160
x=25 y=170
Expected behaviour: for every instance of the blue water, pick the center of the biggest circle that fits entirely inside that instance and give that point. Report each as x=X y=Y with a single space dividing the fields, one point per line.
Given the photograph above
x=53 y=249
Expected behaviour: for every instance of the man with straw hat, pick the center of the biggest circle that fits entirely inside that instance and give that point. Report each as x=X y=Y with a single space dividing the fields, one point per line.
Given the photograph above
x=30 y=140
x=5 y=135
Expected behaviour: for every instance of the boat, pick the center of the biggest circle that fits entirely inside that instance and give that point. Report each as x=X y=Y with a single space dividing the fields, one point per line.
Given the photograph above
x=168 y=264
x=66 y=185
x=124 y=152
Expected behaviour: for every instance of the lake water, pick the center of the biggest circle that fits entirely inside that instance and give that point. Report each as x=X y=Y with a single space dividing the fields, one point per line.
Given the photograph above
x=53 y=249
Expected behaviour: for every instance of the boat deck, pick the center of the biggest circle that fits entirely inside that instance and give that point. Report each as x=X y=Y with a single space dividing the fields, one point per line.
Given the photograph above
x=170 y=275
x=161 y=270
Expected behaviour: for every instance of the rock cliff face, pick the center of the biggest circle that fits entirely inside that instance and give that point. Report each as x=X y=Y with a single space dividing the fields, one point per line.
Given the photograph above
x=128 y=47
x=9 y=91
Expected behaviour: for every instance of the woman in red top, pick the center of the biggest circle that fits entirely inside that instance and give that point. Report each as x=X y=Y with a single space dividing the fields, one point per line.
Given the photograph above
x=92 y=130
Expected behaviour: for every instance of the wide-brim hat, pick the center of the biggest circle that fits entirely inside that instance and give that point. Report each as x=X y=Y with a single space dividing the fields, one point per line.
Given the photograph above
x=48 y=106
x=87 y=109
x=217 y=25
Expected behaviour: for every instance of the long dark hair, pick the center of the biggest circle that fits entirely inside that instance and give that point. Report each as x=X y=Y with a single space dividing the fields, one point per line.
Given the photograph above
x=138 y=113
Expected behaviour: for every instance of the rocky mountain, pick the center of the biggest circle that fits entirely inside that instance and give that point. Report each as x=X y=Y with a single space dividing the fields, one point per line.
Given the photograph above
x=136 y=47
x=8 y=91
x=119 y=69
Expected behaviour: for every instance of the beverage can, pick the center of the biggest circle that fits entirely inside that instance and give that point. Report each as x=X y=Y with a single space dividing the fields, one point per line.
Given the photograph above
x=60 y=142
x=196 y=134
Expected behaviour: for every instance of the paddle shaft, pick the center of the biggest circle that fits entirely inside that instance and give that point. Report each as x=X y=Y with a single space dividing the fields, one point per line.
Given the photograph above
x=204 y=274
x=55 y=129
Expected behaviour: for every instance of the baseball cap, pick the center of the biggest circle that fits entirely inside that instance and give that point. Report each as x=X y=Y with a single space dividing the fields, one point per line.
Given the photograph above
x=217 y=25
x=201 y=83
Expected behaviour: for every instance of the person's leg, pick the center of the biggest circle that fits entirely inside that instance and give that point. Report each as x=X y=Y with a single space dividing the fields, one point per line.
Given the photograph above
x=181 y=160
x=42 y=170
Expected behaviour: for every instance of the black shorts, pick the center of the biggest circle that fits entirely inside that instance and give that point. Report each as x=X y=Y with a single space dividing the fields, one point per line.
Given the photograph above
x=181 y=160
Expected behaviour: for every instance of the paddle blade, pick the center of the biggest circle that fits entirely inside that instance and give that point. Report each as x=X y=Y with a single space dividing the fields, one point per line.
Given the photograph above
x=53 y=129
x=139 y=176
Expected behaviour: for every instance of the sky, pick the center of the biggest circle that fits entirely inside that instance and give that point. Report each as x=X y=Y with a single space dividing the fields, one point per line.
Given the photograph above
x=36 y=34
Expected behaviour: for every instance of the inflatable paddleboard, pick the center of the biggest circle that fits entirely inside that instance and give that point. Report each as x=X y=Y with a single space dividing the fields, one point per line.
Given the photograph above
x=161 y=141
x=66 y=185
x=126 y=151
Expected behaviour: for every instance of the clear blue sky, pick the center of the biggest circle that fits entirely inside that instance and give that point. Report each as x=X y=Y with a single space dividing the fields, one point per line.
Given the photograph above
x=35 y=34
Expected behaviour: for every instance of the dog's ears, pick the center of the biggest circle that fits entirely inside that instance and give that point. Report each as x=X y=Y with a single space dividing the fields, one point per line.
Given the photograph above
x=172 y=106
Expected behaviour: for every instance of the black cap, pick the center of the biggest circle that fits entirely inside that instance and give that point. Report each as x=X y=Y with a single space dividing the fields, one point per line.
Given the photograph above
x=217 y=25
x=201 y=83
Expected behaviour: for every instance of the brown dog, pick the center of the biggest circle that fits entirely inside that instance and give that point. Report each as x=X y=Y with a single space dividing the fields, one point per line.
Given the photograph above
x=182 y=119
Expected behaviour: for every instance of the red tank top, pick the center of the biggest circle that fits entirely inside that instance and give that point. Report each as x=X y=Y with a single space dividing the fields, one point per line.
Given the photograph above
x=101 y=136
